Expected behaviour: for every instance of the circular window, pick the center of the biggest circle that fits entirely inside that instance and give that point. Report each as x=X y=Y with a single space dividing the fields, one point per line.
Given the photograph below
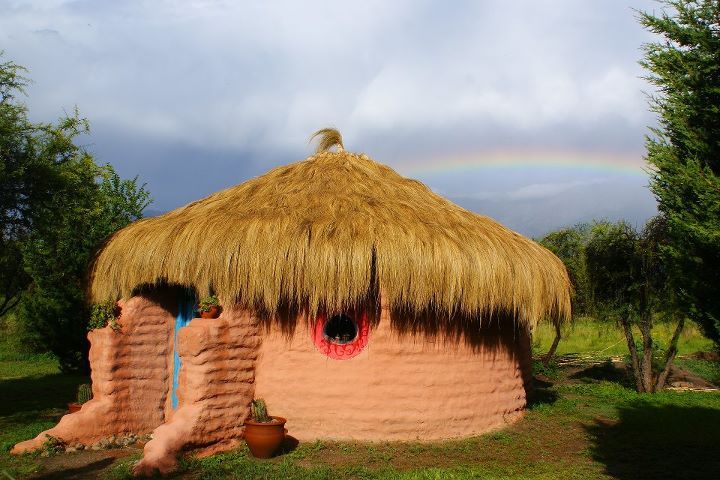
x=341 y=336
x=340 y=329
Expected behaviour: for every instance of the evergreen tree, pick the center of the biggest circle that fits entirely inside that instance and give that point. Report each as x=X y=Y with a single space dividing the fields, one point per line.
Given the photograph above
x=684 y=150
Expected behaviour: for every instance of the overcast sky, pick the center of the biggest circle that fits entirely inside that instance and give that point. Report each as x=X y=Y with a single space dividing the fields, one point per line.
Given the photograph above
x=478 y=99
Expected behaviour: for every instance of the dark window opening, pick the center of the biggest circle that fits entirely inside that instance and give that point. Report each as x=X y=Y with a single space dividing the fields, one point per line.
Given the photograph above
x=340 y=329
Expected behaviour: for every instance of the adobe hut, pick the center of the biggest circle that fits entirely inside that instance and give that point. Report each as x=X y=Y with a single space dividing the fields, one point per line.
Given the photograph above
x=358 y=303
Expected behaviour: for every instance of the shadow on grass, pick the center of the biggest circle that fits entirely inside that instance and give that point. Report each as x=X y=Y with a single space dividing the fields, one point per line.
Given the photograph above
x=91 y=470
x=31 y=394
x=659 y=442
x=607 y=371
x=288 y=445
x=540 y=395
x=541 y=392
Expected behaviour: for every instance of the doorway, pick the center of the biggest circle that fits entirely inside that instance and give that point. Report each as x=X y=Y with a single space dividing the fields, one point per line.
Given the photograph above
x=187 y=307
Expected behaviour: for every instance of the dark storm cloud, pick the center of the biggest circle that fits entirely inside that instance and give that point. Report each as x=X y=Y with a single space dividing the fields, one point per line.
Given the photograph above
x=541 y=208
x=196 y=96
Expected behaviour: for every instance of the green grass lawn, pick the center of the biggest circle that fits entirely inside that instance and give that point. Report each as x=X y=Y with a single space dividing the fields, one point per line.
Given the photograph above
x=33 y=396
x=586 y=424
x=590 y=338
x=707 y=369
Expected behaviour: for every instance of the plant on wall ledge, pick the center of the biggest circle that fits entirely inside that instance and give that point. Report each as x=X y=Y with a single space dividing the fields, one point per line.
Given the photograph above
x=104 y=314
x=209 y=307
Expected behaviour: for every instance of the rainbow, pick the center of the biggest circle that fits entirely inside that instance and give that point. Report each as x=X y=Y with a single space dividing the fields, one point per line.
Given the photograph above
x=605 y=163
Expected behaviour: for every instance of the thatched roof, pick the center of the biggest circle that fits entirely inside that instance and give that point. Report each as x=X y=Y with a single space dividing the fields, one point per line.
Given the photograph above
x=319 y=233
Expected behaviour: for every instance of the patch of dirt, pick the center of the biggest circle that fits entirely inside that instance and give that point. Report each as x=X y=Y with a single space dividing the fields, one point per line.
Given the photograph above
x=610 y=370
x=520 y=442
x=615 y=370
x=561 y=441
x=709 y=356
x=81 y=465
x=681 y=379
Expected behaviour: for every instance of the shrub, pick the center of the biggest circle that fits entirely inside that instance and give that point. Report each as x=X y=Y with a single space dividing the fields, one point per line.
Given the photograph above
x=103 y=314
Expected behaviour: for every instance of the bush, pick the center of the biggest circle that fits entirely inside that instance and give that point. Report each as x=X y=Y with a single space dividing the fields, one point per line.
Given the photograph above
x=103 y=314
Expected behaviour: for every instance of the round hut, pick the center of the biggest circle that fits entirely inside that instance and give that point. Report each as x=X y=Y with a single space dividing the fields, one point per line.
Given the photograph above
x=358 y=303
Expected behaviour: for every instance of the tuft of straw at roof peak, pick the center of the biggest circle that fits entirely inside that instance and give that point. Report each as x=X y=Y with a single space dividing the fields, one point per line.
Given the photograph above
x=329 y=137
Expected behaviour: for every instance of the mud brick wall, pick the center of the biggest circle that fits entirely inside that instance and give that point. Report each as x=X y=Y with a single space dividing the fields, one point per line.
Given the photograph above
x=216 y=387
x=400 y=387
x=130 y=375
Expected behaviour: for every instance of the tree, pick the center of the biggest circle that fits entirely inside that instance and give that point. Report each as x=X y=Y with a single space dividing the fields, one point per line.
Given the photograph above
x=14 y=148
x=630 y=282
x=57 y=206
x=569 y=246
x=13 y=278
x=31 y=157
x=684 y=150
x=54 y=311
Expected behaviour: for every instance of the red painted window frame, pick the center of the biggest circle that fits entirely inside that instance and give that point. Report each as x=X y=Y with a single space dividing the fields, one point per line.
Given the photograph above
x=344 y=351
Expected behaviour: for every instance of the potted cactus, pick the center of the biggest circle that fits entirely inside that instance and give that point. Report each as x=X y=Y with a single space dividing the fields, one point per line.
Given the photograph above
x=263 y=433
x=84 y=394
x=209 y=307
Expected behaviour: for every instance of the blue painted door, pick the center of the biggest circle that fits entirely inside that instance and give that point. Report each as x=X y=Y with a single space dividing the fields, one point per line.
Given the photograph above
x=186 y=312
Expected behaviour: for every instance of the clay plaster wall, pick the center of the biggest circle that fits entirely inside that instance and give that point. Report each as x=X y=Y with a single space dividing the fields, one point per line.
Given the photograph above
x=400 y=387
x=130 y=375
x=216 y=386
x=132 y=378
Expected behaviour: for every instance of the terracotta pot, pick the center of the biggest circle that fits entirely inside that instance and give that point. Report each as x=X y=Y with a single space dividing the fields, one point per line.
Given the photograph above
x=264 y=438
x=74 y=407
x=214 y=312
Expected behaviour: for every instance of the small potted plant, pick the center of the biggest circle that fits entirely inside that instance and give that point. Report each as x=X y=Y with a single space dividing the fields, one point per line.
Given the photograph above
x=84 y=394
x=263 y=433
x=209 y=307
x=103 y=314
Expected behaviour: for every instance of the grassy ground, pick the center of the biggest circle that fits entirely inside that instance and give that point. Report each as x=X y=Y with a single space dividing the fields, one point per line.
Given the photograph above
x=584 y=422
x=709 y=370
x=591 y=338
x=33 y=395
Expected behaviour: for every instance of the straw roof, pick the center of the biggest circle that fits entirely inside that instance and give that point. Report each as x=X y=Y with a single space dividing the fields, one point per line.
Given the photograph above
x=321 y=232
